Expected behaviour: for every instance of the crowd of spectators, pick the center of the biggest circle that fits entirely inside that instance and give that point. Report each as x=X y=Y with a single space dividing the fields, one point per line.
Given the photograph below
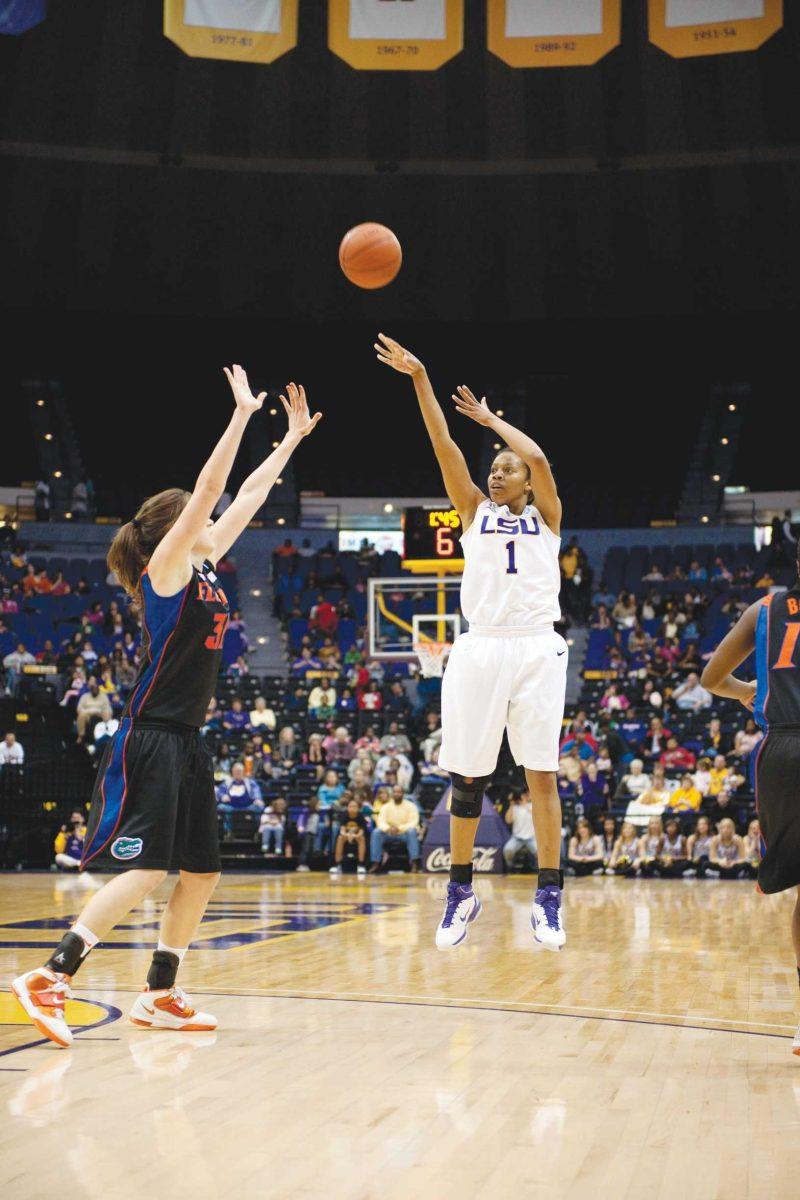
x=654 y=772
x=323 y=785
x=336 y=766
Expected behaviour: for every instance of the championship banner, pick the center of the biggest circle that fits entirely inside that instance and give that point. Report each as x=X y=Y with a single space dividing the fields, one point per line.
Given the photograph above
x=18 y=16
x=553 y=33
x=396 y=35
x=688 y=28
x=257 y=31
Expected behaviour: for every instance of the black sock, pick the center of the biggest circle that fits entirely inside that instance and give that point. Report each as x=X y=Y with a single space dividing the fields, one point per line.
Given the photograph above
x=549 y=877
x=68 y=954
x=461 y=873
x=163 y=970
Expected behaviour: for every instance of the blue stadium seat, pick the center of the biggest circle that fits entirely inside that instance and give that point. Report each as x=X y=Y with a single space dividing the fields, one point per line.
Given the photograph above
x=346 y=633
x=298 y=628
x=638 y=564
x=78 y=569
x=614 y=568
x=390 y=564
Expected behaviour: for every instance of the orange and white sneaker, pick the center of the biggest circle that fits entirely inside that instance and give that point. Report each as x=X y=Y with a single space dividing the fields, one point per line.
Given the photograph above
x=169 y=1009
x=43 y=994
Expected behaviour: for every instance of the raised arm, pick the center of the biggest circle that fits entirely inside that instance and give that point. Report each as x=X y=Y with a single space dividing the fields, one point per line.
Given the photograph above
x=542 y=481
x=258 y=485
x=464 y=494
x=735 y=647
x=170 y=565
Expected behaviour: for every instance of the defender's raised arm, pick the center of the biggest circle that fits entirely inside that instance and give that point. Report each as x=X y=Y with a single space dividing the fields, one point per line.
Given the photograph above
x=258 y=485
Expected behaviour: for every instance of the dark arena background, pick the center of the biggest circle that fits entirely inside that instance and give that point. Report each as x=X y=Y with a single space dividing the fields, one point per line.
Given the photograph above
x=597 y=203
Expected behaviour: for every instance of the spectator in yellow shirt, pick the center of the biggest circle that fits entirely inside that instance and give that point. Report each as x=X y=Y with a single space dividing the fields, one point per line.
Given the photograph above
x=69 y=843
x=569 y=562
x=719 y=773
x=398 y=818
x=686 y=798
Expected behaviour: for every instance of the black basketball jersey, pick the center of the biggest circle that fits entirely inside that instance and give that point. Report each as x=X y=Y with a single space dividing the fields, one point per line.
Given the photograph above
x=777 y=703
x=181 y=650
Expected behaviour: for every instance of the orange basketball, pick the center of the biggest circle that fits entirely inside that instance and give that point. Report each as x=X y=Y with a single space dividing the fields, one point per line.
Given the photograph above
x=370 y=255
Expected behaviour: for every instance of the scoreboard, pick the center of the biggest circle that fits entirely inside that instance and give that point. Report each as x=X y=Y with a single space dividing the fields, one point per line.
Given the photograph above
x=432 y=540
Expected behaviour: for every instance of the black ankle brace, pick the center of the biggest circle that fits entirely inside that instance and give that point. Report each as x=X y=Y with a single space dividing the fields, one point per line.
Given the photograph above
x=549 y=877
x=68 y=954
x=163 y=970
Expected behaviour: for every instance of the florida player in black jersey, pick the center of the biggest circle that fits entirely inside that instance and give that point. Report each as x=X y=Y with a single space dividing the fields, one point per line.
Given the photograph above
x=771 y=628
x=154 y=807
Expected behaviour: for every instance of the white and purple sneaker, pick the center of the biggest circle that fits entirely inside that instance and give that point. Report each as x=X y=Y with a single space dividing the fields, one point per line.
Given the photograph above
x=546 y=918
x=461 y=907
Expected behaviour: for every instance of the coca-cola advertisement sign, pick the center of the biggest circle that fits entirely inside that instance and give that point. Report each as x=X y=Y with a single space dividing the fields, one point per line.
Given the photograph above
x=487 y=857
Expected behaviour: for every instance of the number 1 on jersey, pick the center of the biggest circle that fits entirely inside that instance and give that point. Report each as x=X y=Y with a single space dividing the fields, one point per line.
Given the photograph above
x=511 y=569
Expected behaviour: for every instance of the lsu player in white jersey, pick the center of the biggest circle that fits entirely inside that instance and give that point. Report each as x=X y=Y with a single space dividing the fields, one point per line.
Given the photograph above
x=509 y=671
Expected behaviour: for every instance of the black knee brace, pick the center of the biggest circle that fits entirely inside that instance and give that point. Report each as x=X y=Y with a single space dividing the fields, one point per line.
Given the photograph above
x=466 y=799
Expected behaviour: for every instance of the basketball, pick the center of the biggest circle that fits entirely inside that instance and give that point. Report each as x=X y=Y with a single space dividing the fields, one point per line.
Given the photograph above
x=370 y=255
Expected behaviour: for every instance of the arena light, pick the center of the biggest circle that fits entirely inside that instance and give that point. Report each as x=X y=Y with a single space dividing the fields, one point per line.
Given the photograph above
x=40 y=403
x=273 y=412
x=255 y=591
x=731 y=408
x=56 y=474
x=704 y=520
x=262 y=641
x=279 y=481
x=715 y=478
x=281 y=520
x=497 y=445
x=48 y=437
x=499 y=412
x=275 y=445
x=67 y=516
x=388 y=508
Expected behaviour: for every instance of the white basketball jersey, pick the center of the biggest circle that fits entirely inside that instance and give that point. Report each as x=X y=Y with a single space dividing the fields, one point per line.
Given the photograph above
x=511 y=572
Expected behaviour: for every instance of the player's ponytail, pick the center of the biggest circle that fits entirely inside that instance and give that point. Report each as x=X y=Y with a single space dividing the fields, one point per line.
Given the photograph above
x=135 y=541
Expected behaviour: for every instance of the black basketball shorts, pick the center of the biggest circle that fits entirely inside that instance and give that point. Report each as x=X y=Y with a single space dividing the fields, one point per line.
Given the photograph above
x=153 y=805
x=777 y=785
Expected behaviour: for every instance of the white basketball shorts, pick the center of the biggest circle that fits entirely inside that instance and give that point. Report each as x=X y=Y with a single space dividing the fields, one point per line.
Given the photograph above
x=496 y=682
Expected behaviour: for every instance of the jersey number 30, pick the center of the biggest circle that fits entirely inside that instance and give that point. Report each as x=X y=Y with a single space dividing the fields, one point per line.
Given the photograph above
x=214 y=640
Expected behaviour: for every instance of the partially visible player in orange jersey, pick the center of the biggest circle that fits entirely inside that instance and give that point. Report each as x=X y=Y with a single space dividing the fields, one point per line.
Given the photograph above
x=771 y=629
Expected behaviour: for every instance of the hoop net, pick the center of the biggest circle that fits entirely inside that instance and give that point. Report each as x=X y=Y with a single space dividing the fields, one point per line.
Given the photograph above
x=431 y=656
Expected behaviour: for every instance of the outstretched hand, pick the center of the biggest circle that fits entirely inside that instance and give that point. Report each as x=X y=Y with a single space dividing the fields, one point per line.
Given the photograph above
x=246 y=402
x=392 y=354
x=301 y=423
x=469 y=406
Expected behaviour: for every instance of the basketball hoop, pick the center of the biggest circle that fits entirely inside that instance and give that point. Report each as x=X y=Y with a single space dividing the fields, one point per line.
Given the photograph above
x=431 y=657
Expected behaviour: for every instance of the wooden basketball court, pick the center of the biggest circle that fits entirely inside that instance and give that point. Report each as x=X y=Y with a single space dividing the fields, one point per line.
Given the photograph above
x=651 y=1059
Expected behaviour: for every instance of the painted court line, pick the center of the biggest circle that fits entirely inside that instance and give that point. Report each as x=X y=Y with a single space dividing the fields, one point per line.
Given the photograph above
x=623 y=1016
